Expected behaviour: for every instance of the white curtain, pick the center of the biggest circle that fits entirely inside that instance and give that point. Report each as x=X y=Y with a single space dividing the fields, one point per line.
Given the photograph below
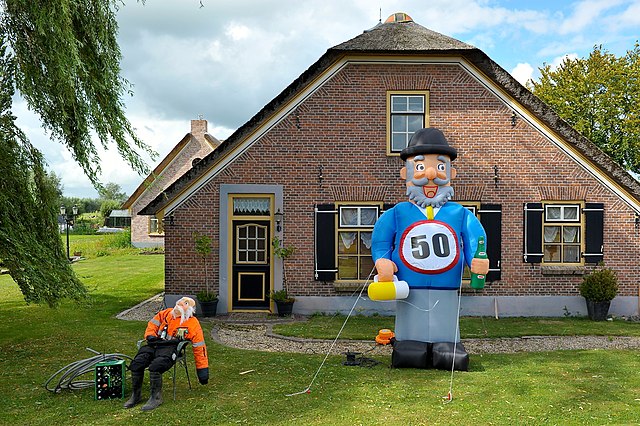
x=347 y=239
x=348 y=217
x=251 y=205
x=551 y=234
x=570 y=234
x=366 y=239
x=368 y=216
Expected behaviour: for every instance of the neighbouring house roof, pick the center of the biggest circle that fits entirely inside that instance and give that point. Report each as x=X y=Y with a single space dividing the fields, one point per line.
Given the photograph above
x=120 y=213
x=395 y=41
x=211 y=140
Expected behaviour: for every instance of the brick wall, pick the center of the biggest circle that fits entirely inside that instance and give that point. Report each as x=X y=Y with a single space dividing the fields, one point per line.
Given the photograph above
x=342 y=127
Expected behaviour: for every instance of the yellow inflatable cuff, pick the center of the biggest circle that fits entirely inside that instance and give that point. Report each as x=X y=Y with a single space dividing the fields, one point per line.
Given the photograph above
x=382 y=291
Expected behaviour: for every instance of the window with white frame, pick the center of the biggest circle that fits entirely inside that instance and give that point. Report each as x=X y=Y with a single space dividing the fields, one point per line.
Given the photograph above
x=155 y=226
x=407 y=114
x=562 y=231
x=355 y=226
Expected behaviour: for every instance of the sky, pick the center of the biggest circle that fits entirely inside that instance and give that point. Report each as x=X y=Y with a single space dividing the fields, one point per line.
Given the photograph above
x=222 y=60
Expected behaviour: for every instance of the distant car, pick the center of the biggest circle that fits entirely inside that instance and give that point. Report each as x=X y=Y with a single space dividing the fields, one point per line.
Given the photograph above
x=107 y=230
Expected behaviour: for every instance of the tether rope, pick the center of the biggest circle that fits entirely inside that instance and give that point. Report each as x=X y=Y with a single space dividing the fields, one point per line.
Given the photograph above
x=367 y=281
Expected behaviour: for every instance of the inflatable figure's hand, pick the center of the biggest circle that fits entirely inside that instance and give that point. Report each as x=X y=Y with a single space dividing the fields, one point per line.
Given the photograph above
x=480 y=266
x=388 y=290
x=386 y=268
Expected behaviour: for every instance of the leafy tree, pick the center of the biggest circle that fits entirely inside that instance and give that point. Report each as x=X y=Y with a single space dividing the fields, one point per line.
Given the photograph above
x=107 y=206
x=63 y=58
x=56 y=184
x=112 y=191
x=600 y=97
x=85 y=205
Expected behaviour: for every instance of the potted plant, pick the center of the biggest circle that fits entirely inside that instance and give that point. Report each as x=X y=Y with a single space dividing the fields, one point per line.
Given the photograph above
x=599 y=288
x=208 y=299
x=283 y=301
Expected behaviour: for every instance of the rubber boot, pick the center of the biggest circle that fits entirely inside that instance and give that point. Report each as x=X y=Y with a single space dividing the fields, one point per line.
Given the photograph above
x=137 y=377
x=156 y=392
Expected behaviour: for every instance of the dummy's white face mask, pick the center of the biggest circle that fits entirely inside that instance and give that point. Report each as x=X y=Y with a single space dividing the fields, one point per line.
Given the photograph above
x=184 y=310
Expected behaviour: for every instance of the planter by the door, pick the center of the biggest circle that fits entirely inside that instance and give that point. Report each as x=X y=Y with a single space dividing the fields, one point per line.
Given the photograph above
x=284 y=308
x=598 y=311
x=209 y=308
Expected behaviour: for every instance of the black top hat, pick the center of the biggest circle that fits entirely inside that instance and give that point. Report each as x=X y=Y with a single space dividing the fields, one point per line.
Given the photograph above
x=428 y=141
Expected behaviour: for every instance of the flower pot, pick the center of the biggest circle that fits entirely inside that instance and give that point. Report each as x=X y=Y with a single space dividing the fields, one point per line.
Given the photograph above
x=284 y=308
x=598 y=311
x=209 y=308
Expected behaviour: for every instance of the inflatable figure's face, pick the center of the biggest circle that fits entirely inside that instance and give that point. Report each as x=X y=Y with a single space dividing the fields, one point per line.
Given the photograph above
x=428 y=178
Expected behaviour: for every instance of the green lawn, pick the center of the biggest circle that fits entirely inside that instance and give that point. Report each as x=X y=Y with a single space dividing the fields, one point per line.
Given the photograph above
x=565 y=387
x=364 y=328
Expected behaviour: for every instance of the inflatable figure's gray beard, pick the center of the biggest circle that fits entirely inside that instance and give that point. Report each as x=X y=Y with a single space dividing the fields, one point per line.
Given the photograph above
x=416 y=194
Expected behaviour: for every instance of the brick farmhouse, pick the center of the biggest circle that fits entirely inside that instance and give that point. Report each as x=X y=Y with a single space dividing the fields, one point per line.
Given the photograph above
x=319 y=163
x=147 y=231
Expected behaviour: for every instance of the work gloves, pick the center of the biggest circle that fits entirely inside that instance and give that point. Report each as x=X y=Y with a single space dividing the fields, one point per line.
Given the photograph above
x=203 y=375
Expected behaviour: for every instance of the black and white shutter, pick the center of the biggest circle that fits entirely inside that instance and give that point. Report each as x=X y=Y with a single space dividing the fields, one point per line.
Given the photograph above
x=325 y=242
x=533 y=213
x=491 y=220
x=594 y=232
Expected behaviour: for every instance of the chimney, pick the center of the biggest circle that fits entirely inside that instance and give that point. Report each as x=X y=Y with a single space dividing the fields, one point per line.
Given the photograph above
x=199 y=128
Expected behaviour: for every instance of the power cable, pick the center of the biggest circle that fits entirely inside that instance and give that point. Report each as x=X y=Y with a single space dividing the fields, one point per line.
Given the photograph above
x=67 y=375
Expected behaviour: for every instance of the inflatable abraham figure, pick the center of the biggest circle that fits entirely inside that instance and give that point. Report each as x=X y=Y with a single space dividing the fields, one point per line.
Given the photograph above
x=420 y=248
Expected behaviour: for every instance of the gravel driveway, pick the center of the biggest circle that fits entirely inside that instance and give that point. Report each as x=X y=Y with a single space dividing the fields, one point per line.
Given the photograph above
x=251 y=332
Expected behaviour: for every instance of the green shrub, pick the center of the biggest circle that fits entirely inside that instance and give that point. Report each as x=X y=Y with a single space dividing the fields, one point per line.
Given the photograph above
x=600 y=285
x=119 y=240
x=207 y=296
x=281 y=296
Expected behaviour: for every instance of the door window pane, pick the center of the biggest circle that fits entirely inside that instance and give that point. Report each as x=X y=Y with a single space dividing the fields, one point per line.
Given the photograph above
x=251 y=244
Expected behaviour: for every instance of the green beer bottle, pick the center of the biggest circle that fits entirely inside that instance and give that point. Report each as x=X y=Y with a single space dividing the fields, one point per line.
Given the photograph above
x=477 y=280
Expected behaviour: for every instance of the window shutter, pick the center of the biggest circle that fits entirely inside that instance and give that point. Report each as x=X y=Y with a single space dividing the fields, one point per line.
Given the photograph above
x=386 y=207
x=325 y=244
x=491 y=220
x=594 y=232
x=533 y=232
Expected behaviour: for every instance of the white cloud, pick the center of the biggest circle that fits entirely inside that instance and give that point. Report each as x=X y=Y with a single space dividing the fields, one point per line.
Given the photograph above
x=585 y=15
x=522 y=73
x=237 y=32
x=630 y=17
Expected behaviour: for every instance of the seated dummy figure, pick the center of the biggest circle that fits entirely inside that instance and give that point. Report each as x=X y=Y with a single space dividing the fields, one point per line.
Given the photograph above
x=165 y=330
x=420 y=248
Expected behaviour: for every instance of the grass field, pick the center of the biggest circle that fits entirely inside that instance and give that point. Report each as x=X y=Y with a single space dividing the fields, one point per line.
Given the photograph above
x=565 y=387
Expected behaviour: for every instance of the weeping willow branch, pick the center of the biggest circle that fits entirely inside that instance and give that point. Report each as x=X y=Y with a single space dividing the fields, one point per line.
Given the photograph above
x=30 y=244
x=62 y=57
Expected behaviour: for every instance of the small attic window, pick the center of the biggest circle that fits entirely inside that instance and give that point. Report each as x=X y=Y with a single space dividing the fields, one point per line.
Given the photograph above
x=398 y=18
x=195 y=161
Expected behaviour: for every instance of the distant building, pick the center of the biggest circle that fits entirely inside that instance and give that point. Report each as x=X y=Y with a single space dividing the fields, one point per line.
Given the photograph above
x=147 y=231
x=118 y=219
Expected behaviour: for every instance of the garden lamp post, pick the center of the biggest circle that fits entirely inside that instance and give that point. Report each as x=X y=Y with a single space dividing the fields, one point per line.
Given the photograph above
x=68 y=220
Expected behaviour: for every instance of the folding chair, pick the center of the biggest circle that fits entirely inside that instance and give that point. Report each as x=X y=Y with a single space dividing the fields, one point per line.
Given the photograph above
x=181 y=358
